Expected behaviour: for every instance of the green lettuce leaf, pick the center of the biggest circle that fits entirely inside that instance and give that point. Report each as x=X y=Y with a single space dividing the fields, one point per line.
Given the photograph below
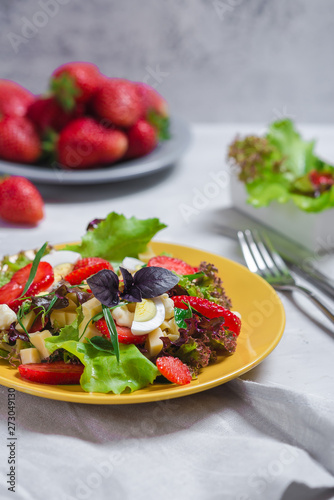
x=117 y=237
x=102 y=371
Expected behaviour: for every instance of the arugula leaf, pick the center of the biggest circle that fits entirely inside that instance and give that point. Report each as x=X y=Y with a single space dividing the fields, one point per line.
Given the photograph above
x=117 y=237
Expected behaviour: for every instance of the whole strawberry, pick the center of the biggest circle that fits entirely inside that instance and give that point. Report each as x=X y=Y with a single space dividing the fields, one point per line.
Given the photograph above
x=85 y=143
x=46 y=113
x=14 y=99
x=20 y=201
x=143 y=138
x=19 y=141
x=151 y=100
x=75 y=82
x=118 y=102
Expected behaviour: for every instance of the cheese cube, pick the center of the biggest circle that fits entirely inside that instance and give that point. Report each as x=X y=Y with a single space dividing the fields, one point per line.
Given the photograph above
x=61 y=271
x=37 y=340
x=91 y=307
x=7 y=317
x=91 y=330
x=30 y=355
x=26 y=321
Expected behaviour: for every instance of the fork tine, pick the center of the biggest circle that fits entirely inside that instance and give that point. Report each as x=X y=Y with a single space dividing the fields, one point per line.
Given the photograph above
x=255 y=251
x=267 y=257
x=279 y=262
x=251 y=264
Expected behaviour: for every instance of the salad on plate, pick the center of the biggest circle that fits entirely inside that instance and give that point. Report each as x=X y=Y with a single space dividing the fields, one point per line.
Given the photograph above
x=108 y=314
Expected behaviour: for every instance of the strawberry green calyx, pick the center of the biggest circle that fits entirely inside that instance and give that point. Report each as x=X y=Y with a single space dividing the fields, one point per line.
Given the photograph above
x=160 y=123
x=65 y=90
x=49 y=146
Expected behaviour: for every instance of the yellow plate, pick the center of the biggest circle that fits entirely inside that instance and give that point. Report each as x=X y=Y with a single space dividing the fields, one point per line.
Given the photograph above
x=263 y=321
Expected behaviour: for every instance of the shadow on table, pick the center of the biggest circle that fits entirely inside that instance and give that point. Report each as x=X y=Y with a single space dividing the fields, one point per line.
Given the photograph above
x=298 y=491
x=60 y=193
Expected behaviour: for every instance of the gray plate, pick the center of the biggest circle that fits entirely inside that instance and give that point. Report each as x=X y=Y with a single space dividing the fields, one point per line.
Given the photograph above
x=167 y=153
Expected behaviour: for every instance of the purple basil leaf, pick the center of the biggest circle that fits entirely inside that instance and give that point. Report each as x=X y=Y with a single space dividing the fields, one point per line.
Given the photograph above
x=133 y=295
x=153 y=281
x=14 y=335
x=127 y=278
x=104 y=286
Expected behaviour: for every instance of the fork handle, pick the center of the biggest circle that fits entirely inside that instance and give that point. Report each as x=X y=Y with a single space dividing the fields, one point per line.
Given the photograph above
x=316 y=301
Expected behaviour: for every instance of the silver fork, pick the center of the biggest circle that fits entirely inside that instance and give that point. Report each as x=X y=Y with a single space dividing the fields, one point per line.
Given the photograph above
x=261 y=258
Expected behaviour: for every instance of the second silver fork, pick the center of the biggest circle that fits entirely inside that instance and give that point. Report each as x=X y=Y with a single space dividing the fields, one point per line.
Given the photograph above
x=261 y=258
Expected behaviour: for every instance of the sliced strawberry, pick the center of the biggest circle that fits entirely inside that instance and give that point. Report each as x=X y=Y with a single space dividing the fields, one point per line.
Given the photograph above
x=125 y=335
x=90 y=261
x=76 y=277
x=43 y=279
x=174 y=370
x=209 y=310
x=9 y=293
x=321 y=179
x=52 y=373
x=176 y=265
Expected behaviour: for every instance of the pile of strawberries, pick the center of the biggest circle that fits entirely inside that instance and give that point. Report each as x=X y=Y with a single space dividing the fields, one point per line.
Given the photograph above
x=85 y=120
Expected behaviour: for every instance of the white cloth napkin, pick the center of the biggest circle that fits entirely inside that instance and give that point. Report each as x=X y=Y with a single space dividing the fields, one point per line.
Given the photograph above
x=239 y=441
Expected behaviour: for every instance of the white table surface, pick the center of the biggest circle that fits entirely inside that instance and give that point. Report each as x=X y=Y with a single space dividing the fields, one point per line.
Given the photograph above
x=269 y=434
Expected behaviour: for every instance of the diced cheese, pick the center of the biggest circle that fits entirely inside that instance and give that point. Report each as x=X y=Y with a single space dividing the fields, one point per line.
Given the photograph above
x=30 y=355
x=153 y=342
x=91 y=330
x=7 y=317
x=37 y=340
x=26 y=321
x=91 y=307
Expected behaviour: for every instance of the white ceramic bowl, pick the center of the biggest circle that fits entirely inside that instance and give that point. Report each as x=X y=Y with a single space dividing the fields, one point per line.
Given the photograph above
x=314 y=231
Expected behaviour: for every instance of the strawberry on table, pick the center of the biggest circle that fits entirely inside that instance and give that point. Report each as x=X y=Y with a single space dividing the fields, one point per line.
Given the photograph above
x=143 y=138
x=14 y=99
x=19 y=141
x=75 y=82
x=177 y=265
x=209 y=310
x=20 y=201
x=79 y=275
x=117 y=101
x=125 y=336
x=174 y=370
x=85 y=143
x=52 y=373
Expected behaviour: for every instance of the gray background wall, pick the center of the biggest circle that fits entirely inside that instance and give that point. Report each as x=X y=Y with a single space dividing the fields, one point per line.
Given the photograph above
x=214 y=60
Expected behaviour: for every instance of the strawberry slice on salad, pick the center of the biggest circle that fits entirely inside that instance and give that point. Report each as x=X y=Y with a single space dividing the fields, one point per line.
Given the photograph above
x=90 y=261
x=174 y=370
x=209 y=310
x=43 y=279
x=77 y=276
x=125 y=336
x=57 y=373
x=177 y=265
x=10 y=292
